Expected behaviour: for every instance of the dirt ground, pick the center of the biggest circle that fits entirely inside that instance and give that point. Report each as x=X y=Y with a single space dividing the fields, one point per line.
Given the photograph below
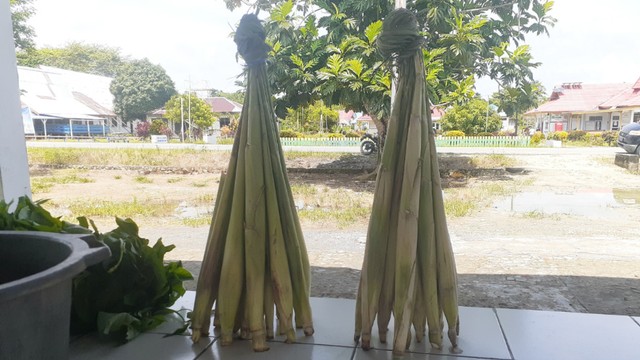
x=568 y=241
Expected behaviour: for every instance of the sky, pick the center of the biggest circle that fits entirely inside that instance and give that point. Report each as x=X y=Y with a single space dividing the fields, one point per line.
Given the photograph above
x=592 y=42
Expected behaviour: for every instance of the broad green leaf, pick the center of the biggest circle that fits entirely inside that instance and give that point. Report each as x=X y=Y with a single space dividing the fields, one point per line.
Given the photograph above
x=372 y=31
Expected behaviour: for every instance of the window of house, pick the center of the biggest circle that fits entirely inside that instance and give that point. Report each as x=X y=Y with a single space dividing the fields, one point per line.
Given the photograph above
x=636 y=117
x=615 y=122
x=595 y=123
x=224 y=121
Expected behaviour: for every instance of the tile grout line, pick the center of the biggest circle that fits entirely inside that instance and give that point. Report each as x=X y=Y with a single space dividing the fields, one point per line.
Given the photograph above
x=504 y=335
x=353 y=353
x=206 y=348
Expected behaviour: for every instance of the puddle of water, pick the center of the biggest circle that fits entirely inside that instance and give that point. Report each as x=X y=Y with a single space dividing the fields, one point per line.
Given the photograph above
x=627 y=196
x=590 y=204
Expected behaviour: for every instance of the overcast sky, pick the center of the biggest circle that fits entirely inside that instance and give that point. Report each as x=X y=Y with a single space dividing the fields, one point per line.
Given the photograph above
x=593 y=41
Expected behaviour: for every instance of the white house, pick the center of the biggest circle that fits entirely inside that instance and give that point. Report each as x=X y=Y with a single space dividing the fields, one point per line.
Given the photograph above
x=589 y=107
x=64 y=102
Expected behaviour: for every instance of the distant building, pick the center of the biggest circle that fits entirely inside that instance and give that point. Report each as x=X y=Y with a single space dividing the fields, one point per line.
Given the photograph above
x=361 y=121
x=589 y=107
x=66 y=103
x=225 y=109
x=436 y=114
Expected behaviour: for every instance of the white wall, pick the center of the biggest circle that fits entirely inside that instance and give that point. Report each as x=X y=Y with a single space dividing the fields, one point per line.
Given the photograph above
x=14 y=171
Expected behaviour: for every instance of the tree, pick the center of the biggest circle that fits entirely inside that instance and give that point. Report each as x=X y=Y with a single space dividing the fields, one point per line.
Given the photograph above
x=140 y=87
x=316 y=117
x=201 y=114
x=515 y=101
x=325 y=49
x=471 y=118
x=23 y=34
x=77 y=56
x=237 y=96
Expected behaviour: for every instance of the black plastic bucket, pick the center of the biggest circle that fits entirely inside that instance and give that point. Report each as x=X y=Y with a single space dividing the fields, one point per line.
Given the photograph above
x=36 y=271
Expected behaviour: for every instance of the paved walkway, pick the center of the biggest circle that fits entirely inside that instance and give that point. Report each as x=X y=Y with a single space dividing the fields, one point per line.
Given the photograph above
x=485 y=333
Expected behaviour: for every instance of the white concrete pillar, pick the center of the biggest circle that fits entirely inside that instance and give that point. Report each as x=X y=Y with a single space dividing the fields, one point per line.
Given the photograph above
x=14 y=169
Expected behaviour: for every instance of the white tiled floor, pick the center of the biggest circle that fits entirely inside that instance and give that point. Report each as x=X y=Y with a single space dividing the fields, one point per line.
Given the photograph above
x=559 y=335
x=484 y=334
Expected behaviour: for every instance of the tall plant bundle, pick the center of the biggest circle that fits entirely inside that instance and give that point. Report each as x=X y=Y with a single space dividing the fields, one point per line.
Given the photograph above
x=255 y=256
x=408 y=269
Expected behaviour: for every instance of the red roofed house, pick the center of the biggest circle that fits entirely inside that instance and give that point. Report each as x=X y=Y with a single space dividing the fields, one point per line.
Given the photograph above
x=436 y=114
x=589 y=107
x=364 y=121
x=225 y=109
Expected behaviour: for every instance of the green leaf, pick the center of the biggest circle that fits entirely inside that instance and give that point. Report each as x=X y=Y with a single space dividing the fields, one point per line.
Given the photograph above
x=297 y=61
x=372 y=31
x=119 y=324
x=127 y=226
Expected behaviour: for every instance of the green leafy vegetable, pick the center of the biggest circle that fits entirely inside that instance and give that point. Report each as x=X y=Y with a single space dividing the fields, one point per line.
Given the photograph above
x=126 y=295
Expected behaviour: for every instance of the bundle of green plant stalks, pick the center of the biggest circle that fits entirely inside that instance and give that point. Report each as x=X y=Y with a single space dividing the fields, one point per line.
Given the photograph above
x=408 y=269
x=255 y=256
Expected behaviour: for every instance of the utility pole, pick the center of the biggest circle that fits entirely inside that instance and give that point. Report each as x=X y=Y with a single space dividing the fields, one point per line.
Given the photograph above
x=181 y=118
x=487 y=120
x=190 y=126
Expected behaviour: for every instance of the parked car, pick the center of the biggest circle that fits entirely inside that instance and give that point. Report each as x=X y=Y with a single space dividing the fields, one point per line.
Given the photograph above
x=629 y=138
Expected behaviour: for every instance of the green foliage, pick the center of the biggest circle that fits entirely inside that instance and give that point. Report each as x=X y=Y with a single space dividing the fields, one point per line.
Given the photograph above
x=537 y=138
x=288 y=133
x=577 y=135
x=335 y=136
x=23 y=34
x=331 y=54
x=159 y=127
x=201 y=114
x=122 y=297
x=471 y=118
x=516 y=100
x=558 y=135
x=237 y=96
x=594 y=139
x=77 y=56
x=454 y=133
x=610 y=137
x=484 y=134
x=136 y=282
x=140 y=87
x=352 y=134
x=313 y=118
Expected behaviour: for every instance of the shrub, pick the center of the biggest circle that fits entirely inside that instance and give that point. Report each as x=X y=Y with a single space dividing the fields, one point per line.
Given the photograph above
x=336 y=136
x=158 y=127
x=558 y=135
x=594 y=139
x=143 y=129
x=314 y=136
x=610 y=137
x=226 y=132
x=352 y=134
x=454 y=133
x=537 y=138
x=484 y=134
x=288 y=133
x=505 y=133
x=576 y=135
